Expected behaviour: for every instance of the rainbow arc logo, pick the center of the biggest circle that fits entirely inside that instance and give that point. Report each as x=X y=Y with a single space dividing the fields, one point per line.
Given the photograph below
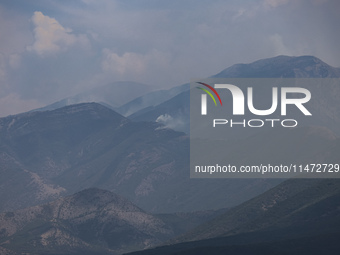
x=204 y=97
x=209 y=93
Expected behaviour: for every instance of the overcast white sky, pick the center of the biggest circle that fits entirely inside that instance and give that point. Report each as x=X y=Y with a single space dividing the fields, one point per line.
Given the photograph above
x=53 y=49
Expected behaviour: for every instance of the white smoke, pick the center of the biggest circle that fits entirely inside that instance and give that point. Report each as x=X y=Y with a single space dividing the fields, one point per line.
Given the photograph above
x=178 y=123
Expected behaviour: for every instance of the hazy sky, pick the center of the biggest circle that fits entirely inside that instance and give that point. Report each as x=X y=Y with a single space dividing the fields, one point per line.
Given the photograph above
x=53 y=49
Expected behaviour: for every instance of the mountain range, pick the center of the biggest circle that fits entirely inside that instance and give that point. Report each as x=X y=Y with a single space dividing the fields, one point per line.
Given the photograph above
x=109 y=178
x=48 y=154
x=171 y=107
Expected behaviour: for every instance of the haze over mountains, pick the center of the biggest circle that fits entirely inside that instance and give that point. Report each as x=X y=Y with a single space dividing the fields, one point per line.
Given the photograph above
x=81 y=146
x=47 y=155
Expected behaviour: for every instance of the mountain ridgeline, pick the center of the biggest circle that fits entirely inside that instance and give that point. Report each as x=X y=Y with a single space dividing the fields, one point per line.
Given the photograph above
x=177 y=108
x=111 y=95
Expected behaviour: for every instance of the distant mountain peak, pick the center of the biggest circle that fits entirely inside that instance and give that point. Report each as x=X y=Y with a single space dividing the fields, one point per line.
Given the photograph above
x=282 y=66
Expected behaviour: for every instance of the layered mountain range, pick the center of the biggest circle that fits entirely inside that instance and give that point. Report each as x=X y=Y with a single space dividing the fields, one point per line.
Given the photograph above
x=47 y=154
x=107 y=178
